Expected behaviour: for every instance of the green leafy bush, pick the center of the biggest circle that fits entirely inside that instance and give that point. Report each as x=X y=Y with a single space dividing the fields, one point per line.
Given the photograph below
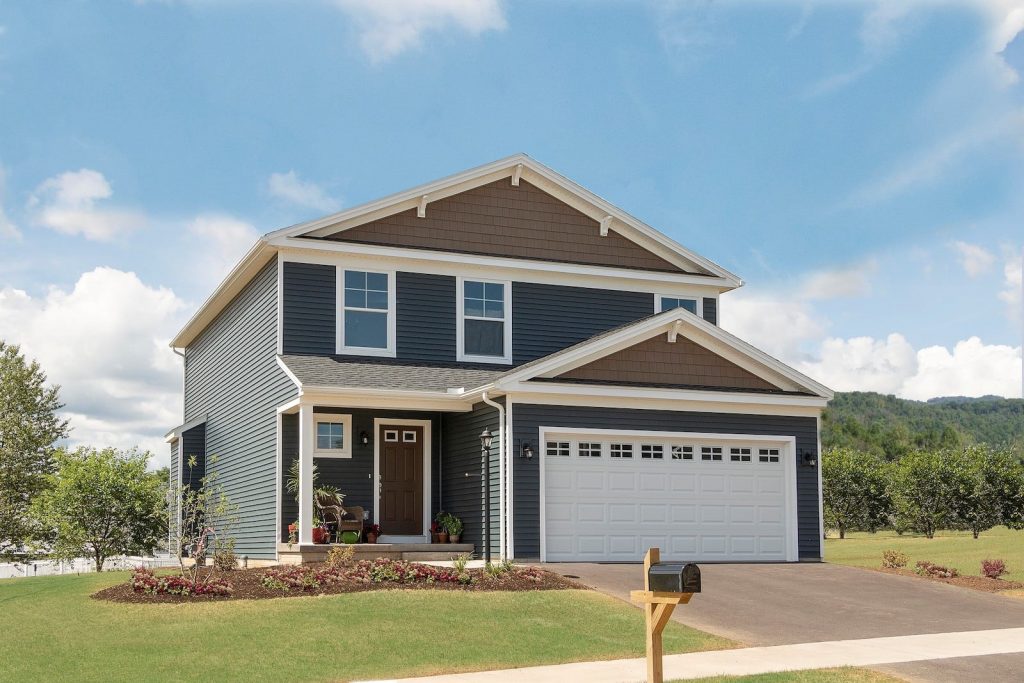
x=893 y=559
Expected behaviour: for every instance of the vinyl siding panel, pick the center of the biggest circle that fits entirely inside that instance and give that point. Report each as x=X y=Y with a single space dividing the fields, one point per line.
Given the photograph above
x=310 y=302
x=231 y=376
x=425 y=327
x=548 y=318
x=528 y=419
x=463 y=495
x=711 y=310
x=172 y=489
x=193 y=446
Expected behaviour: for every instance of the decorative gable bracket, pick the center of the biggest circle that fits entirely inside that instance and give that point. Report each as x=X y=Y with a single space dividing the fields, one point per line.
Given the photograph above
x=517 y=173
x=606 y=223
x=675 y=331
x=421 y=210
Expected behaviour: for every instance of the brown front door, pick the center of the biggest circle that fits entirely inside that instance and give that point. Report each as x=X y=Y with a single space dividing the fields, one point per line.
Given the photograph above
x=401 y=479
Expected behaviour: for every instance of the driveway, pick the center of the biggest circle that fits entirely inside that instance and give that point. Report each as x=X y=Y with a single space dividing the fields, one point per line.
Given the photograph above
x=777 y=604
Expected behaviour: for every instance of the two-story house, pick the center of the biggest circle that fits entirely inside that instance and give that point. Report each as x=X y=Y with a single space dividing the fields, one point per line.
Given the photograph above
x=379 y=342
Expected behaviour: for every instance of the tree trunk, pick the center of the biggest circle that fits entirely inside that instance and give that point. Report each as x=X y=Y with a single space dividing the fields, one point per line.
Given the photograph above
x=975 y=532
x=842 y=531
x=99 y=560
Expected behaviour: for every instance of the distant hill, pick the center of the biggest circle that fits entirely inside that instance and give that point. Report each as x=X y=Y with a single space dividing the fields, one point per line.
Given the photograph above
x=891 y=426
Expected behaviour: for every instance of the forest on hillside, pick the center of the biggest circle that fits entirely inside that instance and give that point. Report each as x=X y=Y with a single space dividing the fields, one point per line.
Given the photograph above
x=891 y=427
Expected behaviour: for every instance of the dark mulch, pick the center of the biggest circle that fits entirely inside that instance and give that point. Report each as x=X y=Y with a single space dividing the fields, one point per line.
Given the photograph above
x=978 y=583
x=247 y=585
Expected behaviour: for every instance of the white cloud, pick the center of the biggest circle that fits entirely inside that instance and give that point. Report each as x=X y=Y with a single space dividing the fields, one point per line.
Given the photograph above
x=305 y=193
x=972 y=369
x=974 y=259
x=221 y=242
x=390 y=28
x=1006 y=21
x=105 y=343
x=836 y=283
x=863 y=363
x=7 y=227
x=67 y=203
x=1013 y=281
x=778 y=325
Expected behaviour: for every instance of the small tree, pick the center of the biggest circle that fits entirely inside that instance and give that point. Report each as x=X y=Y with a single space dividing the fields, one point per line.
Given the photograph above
x=921 y=486
x=29 y=426
x=853 y=490
x=207 y=518
x=101 y=503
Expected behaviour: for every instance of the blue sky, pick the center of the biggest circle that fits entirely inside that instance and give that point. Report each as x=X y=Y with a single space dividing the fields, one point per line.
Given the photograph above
x=861 y=165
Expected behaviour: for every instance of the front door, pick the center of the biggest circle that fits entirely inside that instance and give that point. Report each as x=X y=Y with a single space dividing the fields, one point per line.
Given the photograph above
x=401 y=479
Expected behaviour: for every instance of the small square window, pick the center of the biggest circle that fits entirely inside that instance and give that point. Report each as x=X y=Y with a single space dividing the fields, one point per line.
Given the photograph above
x=409 y=436
x=621 y=450
x=652 y=451
x=713 y=453
x=558 y=449
x=589 y=449
x=391 y=435
x=768 y=455
x=330 y=436
x=739 y=454
x=682 y=452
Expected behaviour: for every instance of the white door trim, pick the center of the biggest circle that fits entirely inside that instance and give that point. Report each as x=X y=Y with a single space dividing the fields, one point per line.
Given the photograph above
x=427 y=475
x=786 y=443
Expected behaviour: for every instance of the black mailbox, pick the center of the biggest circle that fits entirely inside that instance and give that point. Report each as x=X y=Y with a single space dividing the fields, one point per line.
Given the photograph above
x=674 y=577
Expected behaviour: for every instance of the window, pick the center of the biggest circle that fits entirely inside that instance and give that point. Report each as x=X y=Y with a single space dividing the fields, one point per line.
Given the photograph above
x=652 y=452
x=332 y=435
x=739 y=454
x=621 y=450
x=710 y=453
x=409 y=436
x=485 y=321
x=367 y=321
x=589 y=449
x=768 y=455
x=391 y=435
x=558 y=449
x=682 y=452
x=670 y=302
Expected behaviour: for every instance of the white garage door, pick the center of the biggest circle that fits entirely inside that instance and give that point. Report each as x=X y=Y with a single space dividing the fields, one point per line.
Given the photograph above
x=608 y=496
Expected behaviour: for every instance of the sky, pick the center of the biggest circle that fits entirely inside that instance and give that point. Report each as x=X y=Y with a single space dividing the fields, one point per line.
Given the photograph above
x=860 y=165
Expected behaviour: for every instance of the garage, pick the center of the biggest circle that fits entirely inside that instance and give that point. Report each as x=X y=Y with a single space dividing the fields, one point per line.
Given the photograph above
x=608 y=495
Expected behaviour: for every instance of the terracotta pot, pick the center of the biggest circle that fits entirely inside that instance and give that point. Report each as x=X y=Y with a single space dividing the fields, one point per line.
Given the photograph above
x=293 y=528
x=442 y=537
x=320 y=535
x=455 y=538
x=433 y=537
x=371 y=538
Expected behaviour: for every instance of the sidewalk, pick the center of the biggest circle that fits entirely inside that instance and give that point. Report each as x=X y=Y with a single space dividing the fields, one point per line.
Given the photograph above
x=753 y=660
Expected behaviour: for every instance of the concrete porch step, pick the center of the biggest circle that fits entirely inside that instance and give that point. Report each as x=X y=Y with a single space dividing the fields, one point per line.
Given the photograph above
x=294 y=553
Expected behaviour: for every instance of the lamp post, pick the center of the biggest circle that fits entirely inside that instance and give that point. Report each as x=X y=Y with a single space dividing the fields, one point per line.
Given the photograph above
x=485 y=464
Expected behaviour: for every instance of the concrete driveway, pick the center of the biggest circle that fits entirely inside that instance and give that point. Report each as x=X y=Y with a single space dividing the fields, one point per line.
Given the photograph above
x=777 y=604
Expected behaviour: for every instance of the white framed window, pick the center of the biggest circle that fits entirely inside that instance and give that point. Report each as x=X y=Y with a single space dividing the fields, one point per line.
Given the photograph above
x=332 y=435
x=589 y=449
x=768 y=455
x=652 y=451
x=366 y=305
x=391 y=435
x=693 y=304
x=711 y=453
x=682 y=452
x=484 y=329
x=558 y=449
x=408 y=436
x=621 y=450
x=739 y=455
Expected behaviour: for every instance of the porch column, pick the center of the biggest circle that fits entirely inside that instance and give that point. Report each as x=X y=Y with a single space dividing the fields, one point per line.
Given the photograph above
x=306 y=437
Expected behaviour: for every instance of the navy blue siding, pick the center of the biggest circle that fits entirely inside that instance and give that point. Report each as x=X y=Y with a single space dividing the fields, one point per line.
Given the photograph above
x=193 y=445
x=548 y=318
x=711 y=310
x=310 y=301
x=463 y=495
x=232 y=377
x=425 y=327
x=528 y=419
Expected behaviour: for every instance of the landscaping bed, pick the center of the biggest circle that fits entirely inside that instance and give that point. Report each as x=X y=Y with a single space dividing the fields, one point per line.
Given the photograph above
x=326 y=579
x=980 y=583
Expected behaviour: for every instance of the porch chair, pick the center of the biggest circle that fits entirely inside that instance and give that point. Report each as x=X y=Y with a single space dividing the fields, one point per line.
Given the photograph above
x=328 y=505
x=352 y=520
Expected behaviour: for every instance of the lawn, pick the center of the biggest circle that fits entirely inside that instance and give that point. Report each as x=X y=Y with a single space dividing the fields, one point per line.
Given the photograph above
x=948 y=548
x=811 y=676
x=57 y=632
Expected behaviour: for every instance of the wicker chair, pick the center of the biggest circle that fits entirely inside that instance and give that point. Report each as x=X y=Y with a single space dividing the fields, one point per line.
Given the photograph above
x=328 y=505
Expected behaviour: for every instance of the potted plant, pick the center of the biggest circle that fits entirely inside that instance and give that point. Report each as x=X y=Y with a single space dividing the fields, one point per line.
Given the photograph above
x=454 y=527
x=372 y=532
x=291 y=485
x=321 y=534
x=442 y=527
x=293 y=532
x=350 y=537
x=435 y=527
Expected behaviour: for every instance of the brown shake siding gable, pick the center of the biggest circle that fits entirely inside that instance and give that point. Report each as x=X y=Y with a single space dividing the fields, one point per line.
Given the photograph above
x=658 y=361
x=500 y=219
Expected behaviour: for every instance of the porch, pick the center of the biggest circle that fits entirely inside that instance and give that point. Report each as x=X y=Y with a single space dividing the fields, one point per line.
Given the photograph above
x=295 y=553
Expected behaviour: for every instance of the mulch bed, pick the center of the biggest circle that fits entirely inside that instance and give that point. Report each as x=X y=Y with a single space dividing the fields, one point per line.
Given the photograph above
x=978 y=583
x=247 y=585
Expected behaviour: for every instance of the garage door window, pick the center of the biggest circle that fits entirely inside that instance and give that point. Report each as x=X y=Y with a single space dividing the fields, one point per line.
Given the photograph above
x=768 y=455
x=589 y=449
x=711 y=453
x=739 y=454
x=558 y=449
x=622 y=450
x=652 y=451
x=682 y=452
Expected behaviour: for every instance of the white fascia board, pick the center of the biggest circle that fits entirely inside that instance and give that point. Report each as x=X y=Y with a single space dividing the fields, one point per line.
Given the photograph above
x=176 y=433
x=671 y=399
x=500 y=267
x=376 y=398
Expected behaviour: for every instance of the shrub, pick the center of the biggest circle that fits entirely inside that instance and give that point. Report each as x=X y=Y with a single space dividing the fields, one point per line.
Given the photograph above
x=459 y=563
x=224 y=558
x=495 y=570
x=938 y=571
x=302 y=577
x=993 y=569
x=893 y=559
x=341 y=556
x=144 y=581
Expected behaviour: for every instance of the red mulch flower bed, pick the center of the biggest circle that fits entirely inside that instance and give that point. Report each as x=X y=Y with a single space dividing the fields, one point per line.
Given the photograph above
x=980 y=583
x=325 y=579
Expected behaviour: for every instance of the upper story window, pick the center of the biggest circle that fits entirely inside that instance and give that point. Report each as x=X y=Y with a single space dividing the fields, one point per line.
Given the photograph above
x=485 y=321
x=669 y=302
x=367 y=321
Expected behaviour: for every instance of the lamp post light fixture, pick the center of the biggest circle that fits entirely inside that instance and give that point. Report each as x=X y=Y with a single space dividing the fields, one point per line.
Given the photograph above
x=485 y=472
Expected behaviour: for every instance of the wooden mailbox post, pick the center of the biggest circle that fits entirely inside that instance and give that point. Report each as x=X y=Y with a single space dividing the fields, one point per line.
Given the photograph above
x=658 y=609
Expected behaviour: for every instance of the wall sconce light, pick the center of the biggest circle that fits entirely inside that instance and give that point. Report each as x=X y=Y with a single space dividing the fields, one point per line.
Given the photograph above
x=364 y=437
x=525 y=450
x=809 y=459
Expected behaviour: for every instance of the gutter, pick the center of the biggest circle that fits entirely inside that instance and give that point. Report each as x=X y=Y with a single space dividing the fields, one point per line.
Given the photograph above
x=502 y=452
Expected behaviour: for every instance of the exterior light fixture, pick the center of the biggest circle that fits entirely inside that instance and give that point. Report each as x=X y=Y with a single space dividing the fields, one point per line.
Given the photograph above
x=485 y=439
x=364 y=437
x=485 y=470
x=525 y=450
x=809 y=459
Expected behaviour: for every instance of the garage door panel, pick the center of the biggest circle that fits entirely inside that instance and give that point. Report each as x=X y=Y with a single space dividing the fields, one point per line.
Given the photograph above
x=652 y=482
x=653 y=513
x=684 y=513
x=594 y=481
x=560 y=512
x=622 y=481
x=683 y=483
x=591 y=512
x=740 y=483
x=712 y=483
x=622 y=512
x=713 y=545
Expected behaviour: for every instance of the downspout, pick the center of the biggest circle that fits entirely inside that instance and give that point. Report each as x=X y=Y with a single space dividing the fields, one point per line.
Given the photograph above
x=501 y=469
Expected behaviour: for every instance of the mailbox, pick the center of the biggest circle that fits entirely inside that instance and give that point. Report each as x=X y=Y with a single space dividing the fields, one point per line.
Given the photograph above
x=674 y=577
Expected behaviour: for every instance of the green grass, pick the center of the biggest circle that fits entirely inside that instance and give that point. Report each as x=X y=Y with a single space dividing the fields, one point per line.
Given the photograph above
x=845 y=675
x=55 y=631
x=948 y=548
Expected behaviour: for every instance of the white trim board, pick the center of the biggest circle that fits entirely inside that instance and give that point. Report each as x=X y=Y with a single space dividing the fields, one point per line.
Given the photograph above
x=427 y=474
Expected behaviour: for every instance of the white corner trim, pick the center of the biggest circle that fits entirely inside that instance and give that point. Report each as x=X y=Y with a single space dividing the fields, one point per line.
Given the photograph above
x=378 y=422
x=460 y=324
x=421 y=210
x=606 y=223
x=288 y=371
